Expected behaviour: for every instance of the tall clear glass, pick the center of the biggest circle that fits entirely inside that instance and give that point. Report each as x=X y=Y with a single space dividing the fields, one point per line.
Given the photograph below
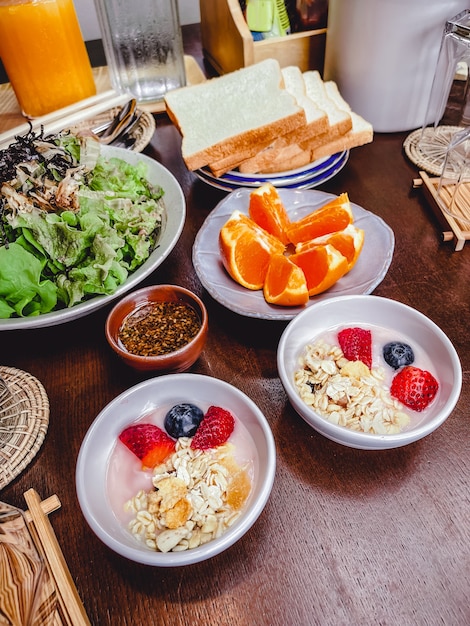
x=42 y=49
x=143 y=46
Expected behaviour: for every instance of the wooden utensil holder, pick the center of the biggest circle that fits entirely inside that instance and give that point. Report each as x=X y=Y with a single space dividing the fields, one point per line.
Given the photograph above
x=228 y=43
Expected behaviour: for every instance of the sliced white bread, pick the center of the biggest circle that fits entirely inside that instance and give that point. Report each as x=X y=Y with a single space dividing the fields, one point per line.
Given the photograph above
x=273 y=160
x=361 y=132
x=234 y=113
x=316 y=124
x=245 y=152
x=339 y=119
x=317 y=118
x=276 y=159
x=282 y=156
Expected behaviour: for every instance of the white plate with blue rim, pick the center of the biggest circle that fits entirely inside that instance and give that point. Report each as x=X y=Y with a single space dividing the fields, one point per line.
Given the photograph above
x=306 y=177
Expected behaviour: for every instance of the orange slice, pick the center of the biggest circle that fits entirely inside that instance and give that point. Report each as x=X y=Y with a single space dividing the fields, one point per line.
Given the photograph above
x=322 y=265
x=285 y=283
x=349 y=242
x=334 y=216
x=246 y=250
x=268 y=211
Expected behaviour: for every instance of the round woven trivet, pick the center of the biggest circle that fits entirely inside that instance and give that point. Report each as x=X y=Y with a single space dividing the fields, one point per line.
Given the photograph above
x=142 y=132
x=427 y=149
x=24 y=423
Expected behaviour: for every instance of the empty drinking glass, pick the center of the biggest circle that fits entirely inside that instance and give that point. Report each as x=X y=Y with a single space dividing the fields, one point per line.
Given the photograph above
x=143 y=46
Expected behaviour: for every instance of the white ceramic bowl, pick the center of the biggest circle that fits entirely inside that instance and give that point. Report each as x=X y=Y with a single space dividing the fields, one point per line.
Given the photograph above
x=405 y=323
x=98 y=444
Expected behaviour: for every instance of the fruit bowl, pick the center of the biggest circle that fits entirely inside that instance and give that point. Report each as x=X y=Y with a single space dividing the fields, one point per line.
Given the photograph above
x=104 y=482
x=388 y=321
x=161 y=328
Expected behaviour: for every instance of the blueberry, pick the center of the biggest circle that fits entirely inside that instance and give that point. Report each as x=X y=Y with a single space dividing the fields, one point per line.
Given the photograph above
x=398 y=354
x=183 y=420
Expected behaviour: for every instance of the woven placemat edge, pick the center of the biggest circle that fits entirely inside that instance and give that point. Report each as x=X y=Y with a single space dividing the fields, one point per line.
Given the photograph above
x=38 y=423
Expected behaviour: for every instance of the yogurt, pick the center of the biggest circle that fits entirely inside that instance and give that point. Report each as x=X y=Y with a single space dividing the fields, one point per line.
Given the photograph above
x=357 y=398
x=125 y=476
x=380 y=337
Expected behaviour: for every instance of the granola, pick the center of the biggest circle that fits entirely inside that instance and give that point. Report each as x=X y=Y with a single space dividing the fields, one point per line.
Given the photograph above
x=197 y=496
x=347 y=393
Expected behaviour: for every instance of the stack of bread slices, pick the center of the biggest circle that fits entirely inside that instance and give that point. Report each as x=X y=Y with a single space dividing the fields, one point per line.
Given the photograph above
x=263 y=119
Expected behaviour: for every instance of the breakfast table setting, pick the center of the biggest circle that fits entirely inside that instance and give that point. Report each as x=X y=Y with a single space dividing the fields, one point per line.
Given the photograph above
x=341 y=527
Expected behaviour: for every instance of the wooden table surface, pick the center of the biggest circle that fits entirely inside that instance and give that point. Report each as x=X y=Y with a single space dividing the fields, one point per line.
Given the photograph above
x=347 y=536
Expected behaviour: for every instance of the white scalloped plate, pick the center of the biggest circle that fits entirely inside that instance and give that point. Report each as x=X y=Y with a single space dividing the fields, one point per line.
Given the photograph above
x=369 y=271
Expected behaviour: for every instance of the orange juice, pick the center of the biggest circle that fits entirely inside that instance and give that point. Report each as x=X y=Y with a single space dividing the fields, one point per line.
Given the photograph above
x=42 y=49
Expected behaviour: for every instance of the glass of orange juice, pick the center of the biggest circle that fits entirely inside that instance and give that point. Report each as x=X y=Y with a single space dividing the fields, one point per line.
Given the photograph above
x=44 y=55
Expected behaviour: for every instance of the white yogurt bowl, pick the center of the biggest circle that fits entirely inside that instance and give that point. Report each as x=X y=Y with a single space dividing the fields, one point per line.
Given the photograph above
x=165 y=391
x=402 y=322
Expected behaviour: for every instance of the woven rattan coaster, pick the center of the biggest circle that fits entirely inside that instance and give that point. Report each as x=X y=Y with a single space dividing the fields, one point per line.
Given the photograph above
x=427 y=148
x=24 y=419
x=142 y=133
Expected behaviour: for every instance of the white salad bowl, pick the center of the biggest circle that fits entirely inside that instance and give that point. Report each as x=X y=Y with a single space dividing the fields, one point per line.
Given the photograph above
x=400 y=322
x=165 y=391
x=172 y=225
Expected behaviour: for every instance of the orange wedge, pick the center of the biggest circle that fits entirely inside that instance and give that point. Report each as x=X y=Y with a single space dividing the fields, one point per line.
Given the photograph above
x=349 y=242
x=322 y=265
x=334 y=216
x=285 y=283
x=246 y=250
x=268 y=211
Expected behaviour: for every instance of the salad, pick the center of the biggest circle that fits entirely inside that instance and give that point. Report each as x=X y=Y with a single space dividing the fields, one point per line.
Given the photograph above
x=73 y=224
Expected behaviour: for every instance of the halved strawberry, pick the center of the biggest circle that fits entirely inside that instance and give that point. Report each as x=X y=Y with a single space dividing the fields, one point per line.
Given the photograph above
x=148 y=442
x=414 y=387
x=216 y=427
x=356 y=344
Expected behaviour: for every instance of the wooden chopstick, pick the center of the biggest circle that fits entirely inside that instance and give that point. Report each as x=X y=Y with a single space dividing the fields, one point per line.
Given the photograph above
x=69 y=601
x=68 y=116
x=50 y=504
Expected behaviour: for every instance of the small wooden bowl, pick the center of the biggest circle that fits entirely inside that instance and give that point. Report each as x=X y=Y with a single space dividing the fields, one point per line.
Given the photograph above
x=177 y=361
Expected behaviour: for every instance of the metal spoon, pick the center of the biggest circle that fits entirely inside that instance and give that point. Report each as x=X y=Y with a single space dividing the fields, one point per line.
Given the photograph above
x=124 y=139
x=119 y=123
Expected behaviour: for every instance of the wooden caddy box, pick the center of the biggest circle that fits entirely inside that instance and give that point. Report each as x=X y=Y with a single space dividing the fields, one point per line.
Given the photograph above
x=228 y=44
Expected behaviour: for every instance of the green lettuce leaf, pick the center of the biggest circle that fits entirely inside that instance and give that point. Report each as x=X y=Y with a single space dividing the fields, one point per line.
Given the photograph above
x=22 y=292
x=123 y=179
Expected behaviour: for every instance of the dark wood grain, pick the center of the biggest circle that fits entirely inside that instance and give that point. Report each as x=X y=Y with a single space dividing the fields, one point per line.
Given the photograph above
x=347 y=536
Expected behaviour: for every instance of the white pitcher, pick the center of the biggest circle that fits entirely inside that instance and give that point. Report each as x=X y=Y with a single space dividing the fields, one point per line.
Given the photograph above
x=383 y=54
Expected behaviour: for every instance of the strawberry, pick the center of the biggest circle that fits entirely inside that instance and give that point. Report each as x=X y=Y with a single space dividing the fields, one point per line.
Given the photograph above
x=356 y=344
x=148 y=442
x=216 y=427
x=414 y=387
